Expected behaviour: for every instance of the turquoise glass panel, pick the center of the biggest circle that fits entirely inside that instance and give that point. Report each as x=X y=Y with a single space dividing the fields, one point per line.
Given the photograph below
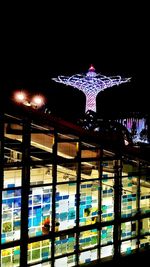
x=65 y=244
x=107 y=200
x=11 y=215
x=89 y=203
x=129 y=197
x=40 y=209
x=88 y=239
x=65 y=206
x=107 y=235
x=38 y=251
x=129 y=246
x=10 y=257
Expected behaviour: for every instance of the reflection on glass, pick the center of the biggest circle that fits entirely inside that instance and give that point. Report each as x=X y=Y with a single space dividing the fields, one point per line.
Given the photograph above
x=145 y=226
x=40 y=209
x=67 y=150
x=145 y=243
x=106 y=251
x=128 y=246
x=88 y=256
x=41 y=175
x=89 y=203
x=65 y=244
x=44 y=264
x=65 y=206
x=40 y=250
x=129 y=197
x=89 y=170
x=107 y=199
x=68 y=261
x=88 y=239
x=12 y=177
x=13 y=141
x=10 y=257
x=107 y=235
x=67 y=172
x=128 y=229
x=42 y=140
x=108 y=168
x=144 y=196
x=11 y=213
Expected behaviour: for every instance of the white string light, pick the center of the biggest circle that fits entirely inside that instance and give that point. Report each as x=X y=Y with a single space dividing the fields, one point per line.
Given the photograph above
x=91 y=84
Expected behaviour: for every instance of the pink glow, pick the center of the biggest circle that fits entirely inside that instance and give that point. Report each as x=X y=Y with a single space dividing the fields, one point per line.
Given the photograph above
x=91 y=68
x=91 y=84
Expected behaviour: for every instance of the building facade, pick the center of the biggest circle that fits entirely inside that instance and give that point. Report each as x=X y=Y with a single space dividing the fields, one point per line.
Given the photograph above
x=69 y=197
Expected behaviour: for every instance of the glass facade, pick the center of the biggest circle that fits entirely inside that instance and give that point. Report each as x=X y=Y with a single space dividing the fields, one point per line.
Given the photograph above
x=66 y=201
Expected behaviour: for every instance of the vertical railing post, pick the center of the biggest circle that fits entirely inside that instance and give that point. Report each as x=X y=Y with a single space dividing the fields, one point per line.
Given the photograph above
x=100 y=171
x=117 y=207
x=54 y=183
x=138 y=193
x=78 y=200
x=25 y=191
x=1 y=166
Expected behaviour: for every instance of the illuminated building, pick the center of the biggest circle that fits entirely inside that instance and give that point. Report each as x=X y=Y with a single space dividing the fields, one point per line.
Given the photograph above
x=91 y=84
x=69 y=196
x=138 y=129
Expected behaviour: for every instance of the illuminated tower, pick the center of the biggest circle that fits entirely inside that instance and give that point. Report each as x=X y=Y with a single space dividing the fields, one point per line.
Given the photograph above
x=91 y=84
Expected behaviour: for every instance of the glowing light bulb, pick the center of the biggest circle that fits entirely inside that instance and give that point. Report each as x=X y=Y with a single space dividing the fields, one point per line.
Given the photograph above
x=37 y=101
x=20 y=96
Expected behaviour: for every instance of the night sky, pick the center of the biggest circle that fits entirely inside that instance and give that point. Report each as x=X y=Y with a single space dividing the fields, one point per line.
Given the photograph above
x=48 y=43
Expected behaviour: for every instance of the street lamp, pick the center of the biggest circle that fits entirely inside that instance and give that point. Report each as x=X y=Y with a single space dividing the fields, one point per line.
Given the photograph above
x=36 y=101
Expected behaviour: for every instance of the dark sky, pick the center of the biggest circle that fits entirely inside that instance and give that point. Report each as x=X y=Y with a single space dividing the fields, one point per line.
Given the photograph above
x=42 y=43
